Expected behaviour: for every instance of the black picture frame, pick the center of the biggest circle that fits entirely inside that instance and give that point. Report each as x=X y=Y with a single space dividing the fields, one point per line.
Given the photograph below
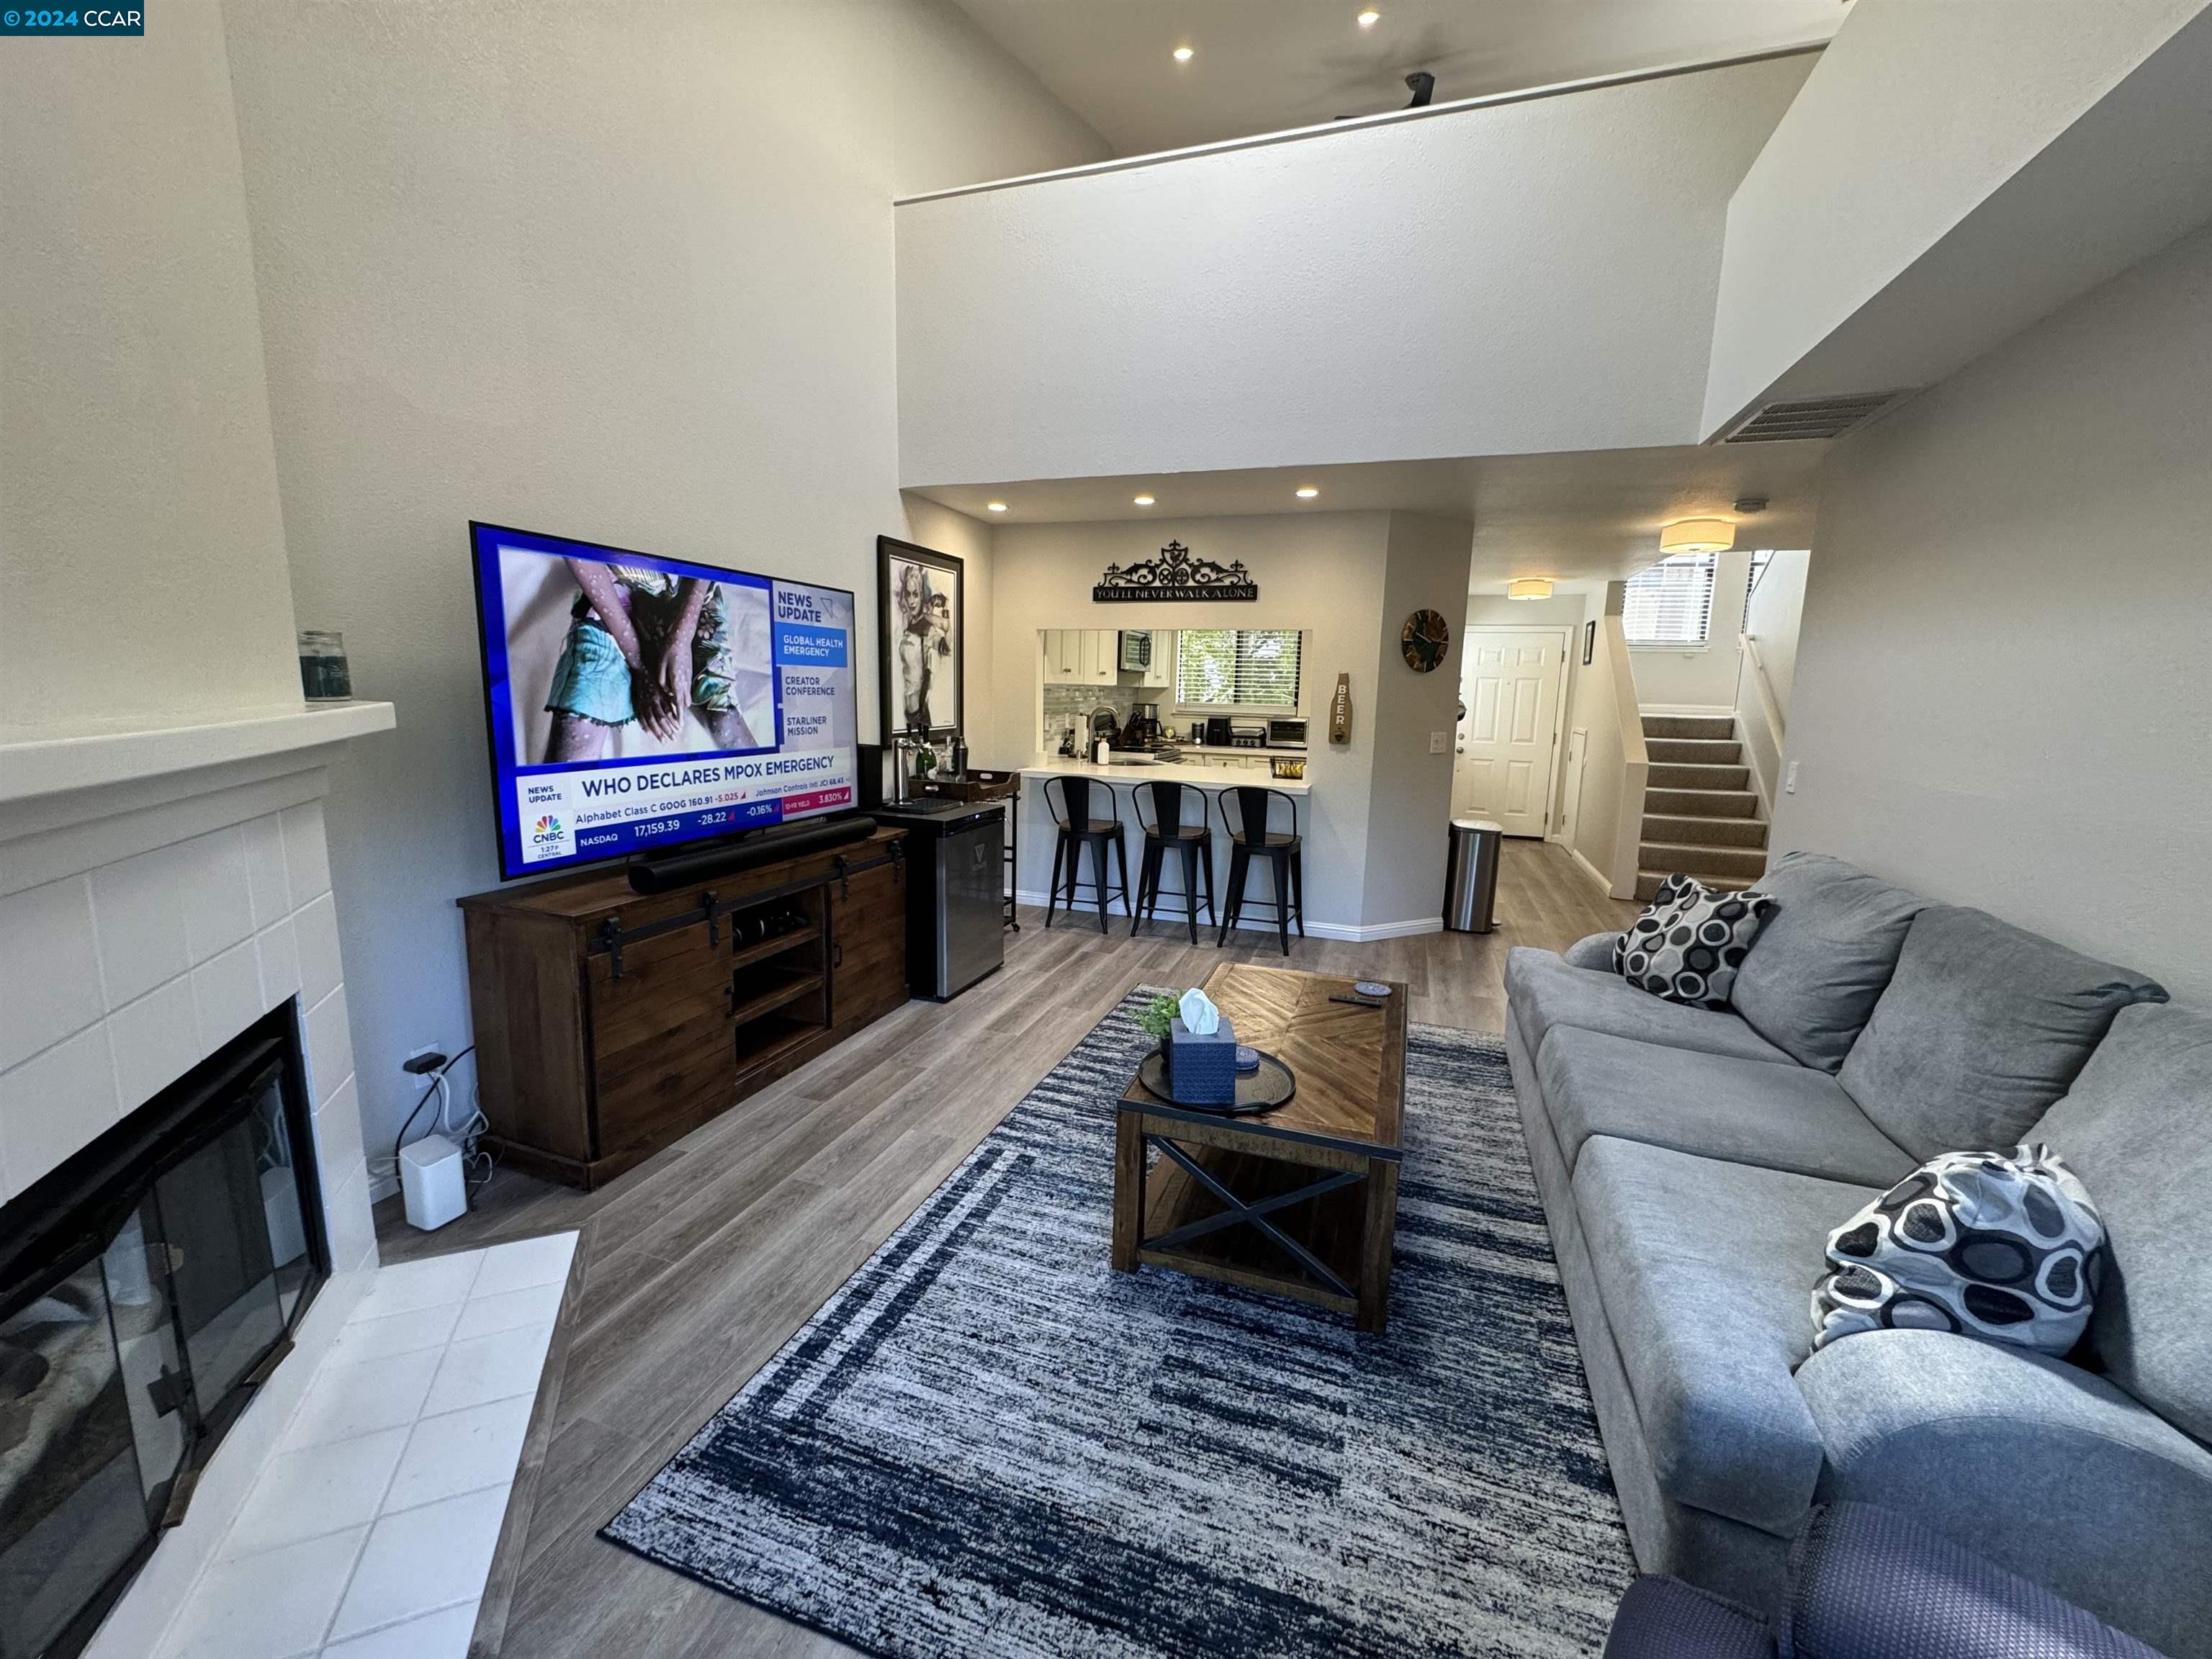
x=1589 y=642
x=938 y=651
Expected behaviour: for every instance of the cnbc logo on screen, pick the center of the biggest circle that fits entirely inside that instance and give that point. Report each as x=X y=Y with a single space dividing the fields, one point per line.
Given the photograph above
x=129 y=21
x=548 y=838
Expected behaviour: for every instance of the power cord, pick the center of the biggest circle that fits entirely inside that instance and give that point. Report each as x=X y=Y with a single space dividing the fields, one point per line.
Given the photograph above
x=434 y=1067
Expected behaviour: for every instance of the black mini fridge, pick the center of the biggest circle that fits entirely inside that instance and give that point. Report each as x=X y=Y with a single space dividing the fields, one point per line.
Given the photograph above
x=956 y=903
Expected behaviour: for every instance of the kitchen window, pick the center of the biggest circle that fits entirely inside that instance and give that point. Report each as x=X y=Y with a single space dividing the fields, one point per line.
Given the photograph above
x=1236 y=668
x=1669 y=606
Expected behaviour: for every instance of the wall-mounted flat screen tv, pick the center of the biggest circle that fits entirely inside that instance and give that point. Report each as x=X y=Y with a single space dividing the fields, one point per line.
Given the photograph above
x=638 y=702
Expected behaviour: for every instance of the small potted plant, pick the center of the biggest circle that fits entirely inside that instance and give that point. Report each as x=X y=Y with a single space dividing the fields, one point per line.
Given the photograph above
x=1156 y=1018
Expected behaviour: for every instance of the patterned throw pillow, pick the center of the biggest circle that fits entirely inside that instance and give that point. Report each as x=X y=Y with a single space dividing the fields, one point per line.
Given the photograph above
x=2005 y=1249
x=1689 y=942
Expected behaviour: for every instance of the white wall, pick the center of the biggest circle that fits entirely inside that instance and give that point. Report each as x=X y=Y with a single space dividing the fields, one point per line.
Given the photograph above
x=141 y=554
x=1702 y=678
x=624 y=274
x=1409 y=797
x=2002 y=696
x=1767 y=672
x=1597 y=704
x=967 y=110
x=1776 y=618
x=1914 y=117
x=1533 y=277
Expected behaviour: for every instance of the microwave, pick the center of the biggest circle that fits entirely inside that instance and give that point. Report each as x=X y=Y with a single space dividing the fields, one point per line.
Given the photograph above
x=1136 y=649
x=1286 y=734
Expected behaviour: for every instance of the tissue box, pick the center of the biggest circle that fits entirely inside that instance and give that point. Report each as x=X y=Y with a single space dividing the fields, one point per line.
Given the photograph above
x=1202 y=1070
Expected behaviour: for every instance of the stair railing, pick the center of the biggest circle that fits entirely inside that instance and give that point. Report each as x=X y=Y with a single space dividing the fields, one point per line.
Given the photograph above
x=1763 y=741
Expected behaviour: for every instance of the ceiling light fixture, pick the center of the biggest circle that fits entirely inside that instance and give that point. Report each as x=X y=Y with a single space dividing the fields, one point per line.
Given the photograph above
x=1182 y=54
x=1368 y=19
x=1307 y=492
x=1143 y=500
x=1698 y=536
x=994 y=507
x=1529 y=587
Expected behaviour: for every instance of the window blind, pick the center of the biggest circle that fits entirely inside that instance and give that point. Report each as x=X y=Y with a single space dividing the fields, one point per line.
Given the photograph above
x=1236 y=668
x=1671 y=603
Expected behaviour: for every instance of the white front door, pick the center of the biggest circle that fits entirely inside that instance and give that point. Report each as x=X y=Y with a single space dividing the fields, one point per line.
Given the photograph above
x=1507 y=737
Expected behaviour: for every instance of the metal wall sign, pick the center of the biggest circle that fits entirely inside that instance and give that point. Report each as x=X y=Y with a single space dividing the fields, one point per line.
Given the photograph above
x=1175 y=574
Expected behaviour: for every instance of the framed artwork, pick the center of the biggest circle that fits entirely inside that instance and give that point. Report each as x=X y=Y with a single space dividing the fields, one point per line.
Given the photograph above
x=924 y=639
x=1589 y=642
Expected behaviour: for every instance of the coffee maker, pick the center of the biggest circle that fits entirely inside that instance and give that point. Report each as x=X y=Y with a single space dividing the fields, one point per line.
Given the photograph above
x=1143 y=731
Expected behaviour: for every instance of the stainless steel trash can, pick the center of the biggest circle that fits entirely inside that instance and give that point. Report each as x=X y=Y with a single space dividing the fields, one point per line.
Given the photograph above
x=1471 y=875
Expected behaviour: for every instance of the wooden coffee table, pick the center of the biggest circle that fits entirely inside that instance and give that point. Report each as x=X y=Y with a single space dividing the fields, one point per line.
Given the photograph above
x=1301 y=1201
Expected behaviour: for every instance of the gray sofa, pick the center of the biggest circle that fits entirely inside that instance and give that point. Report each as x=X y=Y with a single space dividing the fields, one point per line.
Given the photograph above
x=1693 y=1162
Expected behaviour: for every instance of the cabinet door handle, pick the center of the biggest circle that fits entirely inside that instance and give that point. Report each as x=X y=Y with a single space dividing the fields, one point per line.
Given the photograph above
x=837 y=955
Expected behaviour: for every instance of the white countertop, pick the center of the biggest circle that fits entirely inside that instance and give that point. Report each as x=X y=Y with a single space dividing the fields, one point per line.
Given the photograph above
x=1203 y=776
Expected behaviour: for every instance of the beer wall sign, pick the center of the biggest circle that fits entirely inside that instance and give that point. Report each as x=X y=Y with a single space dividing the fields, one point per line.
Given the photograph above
x=1175 y=574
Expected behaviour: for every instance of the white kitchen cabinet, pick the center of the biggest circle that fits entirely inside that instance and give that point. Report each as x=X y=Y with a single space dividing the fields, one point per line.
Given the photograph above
x=1063 y=649
x=1097 y=662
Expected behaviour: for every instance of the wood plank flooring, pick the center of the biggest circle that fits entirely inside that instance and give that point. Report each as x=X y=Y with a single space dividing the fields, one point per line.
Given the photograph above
x=702 y=1261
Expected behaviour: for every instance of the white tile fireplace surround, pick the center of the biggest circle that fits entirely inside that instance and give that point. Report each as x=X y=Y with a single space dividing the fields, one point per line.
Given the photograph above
x=159 y=893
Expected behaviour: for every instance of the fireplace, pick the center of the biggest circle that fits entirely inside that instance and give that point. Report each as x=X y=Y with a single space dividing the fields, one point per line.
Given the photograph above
x=148 y=1286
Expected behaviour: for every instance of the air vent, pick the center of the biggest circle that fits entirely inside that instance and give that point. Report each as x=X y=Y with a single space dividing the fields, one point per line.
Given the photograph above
x=1813 y=418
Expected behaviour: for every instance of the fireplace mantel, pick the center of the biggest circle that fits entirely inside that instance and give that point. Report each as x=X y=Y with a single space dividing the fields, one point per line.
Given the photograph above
x=50 y=766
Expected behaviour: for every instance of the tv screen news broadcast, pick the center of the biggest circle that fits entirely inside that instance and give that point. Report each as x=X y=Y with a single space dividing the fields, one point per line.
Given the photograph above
x=637 y=703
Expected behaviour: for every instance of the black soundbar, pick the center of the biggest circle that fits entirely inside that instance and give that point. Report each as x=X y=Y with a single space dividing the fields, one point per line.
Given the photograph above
x=673 y=869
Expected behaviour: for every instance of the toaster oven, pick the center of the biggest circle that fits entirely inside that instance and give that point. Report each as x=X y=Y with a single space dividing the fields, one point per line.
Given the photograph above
x=1286 y=734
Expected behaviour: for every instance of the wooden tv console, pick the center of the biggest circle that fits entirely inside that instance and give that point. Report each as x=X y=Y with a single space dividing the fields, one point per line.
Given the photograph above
x=608 y=1023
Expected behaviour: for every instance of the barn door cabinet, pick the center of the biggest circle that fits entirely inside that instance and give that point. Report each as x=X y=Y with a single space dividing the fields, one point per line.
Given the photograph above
x=610 y=1023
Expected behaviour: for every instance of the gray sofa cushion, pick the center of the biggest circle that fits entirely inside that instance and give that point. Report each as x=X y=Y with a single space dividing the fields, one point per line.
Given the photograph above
x=1541 y=992
x=1812 y=978
x=1873 y=1583
x=1594 y=952
x=1703 y=1268
x=2033 y=1463
x=2137 y=1127
x=1780 y=1116
x=1982 y=1027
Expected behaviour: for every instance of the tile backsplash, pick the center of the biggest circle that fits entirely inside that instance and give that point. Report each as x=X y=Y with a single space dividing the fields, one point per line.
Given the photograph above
x=1070 y=705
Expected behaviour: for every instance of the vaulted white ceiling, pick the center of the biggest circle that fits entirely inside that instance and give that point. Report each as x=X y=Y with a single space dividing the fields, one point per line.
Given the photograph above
x=1263 y=65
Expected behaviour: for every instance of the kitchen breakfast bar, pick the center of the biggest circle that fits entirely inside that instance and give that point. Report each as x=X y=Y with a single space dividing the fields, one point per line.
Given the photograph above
x=1112 y=795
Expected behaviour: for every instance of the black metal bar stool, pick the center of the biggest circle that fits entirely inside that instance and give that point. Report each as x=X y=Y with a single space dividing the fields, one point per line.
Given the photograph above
x=1072 y=812
x=1167 y=832
x=1252 y=834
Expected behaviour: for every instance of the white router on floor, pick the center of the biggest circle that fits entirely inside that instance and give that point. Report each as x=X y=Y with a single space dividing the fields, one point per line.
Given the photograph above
x=430 y=1183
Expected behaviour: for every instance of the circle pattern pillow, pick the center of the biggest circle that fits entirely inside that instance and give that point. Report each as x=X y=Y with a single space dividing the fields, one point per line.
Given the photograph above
x=1690 y=940
x=2009 y=1249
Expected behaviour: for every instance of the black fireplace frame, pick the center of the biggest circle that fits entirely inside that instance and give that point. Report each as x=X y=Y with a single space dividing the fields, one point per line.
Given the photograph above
x=64 y=1220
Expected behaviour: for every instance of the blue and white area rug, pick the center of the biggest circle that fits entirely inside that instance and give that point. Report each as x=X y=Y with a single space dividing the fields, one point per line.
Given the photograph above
x=989 y=1444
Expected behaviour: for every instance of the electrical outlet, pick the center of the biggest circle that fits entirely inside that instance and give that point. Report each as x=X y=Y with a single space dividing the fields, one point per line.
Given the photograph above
x=1435 y=743
x=1790 y=779
x=413 y=1054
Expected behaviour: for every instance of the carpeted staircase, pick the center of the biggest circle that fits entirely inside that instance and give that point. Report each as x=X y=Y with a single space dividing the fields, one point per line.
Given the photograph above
x=1700 y=815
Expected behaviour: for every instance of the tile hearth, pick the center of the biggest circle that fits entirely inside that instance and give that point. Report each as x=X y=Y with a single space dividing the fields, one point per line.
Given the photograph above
x=371 y=1528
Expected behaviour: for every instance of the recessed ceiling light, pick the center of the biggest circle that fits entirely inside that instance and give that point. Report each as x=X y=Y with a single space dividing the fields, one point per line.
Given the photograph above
x=1307 y=492
x=994 y=507
x=1182 y=54
x=1143 y=500
x=1368 y=19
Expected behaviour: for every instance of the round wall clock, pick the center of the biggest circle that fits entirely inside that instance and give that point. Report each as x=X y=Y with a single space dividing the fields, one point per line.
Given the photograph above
x=1426 y=638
